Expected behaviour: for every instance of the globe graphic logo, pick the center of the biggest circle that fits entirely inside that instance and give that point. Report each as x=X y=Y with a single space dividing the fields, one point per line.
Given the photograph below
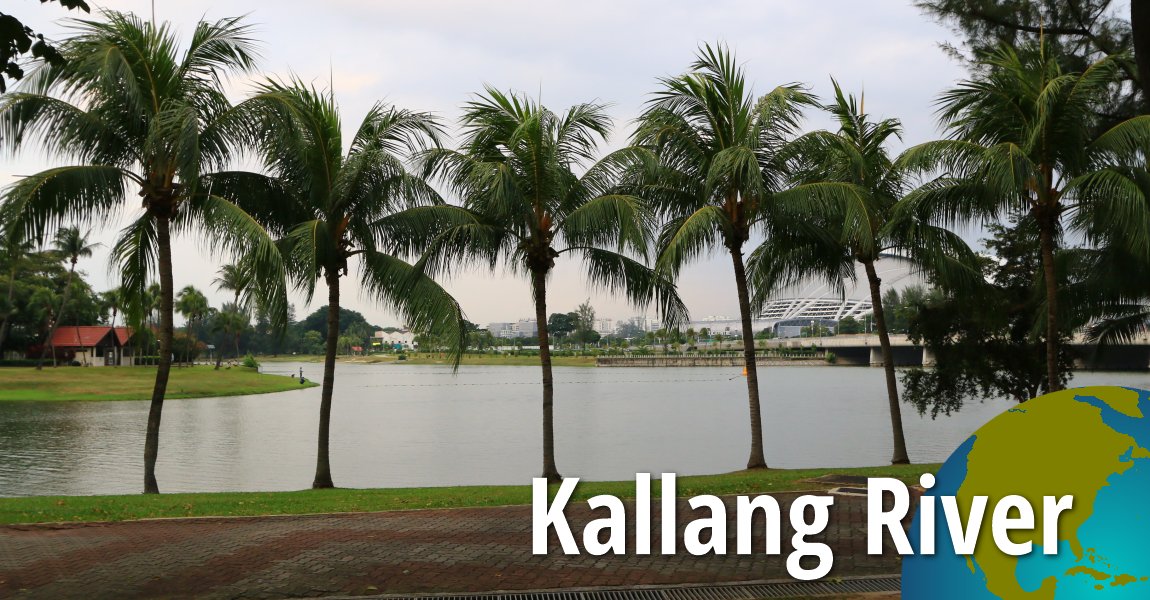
x=1092 y=443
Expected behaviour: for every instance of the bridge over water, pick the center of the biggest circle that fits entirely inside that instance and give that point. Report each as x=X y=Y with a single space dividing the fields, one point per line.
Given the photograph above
x=863 y=349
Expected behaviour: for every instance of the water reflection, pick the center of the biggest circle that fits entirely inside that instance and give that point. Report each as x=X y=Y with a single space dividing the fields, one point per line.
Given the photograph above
x=397 y=425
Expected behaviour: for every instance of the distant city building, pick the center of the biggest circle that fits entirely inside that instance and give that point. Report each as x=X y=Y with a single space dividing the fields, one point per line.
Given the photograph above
x=523 y=328
x=526 y=328
x=504 y=331
x=399 y=340
x=814 y=301
x=604 y=326
x=726 y=325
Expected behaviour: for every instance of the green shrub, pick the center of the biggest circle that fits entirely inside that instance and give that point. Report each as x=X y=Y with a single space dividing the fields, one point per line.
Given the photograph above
x=250 y=361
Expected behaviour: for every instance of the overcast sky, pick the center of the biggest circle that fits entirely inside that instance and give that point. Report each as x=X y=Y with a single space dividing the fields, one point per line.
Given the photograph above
x=433 y=54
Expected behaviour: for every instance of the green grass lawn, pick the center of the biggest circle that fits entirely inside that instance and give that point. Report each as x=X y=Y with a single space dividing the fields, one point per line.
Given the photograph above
x=54 y=509
x=135 y=383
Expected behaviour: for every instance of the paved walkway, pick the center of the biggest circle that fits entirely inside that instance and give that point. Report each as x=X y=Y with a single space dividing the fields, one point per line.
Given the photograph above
x=483 y=549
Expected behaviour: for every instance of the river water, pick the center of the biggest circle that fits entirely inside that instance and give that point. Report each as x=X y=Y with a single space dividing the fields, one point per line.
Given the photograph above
x=402 y=426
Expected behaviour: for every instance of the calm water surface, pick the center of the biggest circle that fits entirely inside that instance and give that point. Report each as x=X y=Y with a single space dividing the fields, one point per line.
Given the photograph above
x=399 y=426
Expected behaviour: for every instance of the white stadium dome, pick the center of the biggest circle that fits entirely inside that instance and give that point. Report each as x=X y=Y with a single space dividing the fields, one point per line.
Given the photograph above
x=815 y=300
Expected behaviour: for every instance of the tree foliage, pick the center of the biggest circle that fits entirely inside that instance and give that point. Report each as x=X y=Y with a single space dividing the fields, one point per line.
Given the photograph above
x=1077 y=32
x=988 y=343
x=17 y=39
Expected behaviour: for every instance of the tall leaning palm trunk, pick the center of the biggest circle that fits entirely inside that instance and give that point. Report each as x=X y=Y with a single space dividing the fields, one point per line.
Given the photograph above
x=900 y=455
x=758 y=458
x=327 y=391
x=164 y=365
x=137 y=112
x=539 y=294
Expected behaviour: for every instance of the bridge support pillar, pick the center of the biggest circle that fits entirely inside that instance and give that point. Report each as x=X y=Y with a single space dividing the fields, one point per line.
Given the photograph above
x=928 y=359
x=876 y=356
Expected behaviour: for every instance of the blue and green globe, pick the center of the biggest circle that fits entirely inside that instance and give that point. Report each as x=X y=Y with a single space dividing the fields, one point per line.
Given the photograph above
x=1092 y=443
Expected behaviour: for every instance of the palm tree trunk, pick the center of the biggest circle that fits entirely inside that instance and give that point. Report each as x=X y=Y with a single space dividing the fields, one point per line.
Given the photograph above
x=900 y=456
x=188 y=349
x=758 y=459
x=119 y=350
x=1140 y=31
x=539 y=290
x=152 y=438
x=7 y=317
x=1046 y=240
x=56 y=321
x=323 y=463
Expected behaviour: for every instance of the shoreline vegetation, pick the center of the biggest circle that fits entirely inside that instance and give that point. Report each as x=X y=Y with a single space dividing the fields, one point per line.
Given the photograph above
x=440 y=358
x=88 y=509
x=77 y=384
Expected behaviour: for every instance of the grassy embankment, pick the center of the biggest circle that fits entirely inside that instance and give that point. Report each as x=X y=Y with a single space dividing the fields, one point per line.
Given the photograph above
x=54 y=509
x=442 y=359
x=135 y=383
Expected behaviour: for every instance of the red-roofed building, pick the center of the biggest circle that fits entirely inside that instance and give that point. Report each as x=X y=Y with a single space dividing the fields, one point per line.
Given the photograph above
x=92 y=345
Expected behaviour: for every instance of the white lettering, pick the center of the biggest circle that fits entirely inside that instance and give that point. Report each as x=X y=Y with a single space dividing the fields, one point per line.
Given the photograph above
x=544 y=517
x=821 y=506
x=1002 y=523
x=878 y=519
x=716 y=523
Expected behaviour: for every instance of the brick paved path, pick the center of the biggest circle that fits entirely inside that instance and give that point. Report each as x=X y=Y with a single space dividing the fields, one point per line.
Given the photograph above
x=481 y=549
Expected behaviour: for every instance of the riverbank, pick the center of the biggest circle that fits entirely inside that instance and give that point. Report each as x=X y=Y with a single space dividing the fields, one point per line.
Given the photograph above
x=486 y=360
x=82 y=384
x=58 y=509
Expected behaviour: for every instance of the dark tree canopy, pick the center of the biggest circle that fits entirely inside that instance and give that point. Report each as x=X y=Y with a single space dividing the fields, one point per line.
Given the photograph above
x=17 y=39
x=348 y=319
x=36 y=281
x=989 y=343
x=1081 y=31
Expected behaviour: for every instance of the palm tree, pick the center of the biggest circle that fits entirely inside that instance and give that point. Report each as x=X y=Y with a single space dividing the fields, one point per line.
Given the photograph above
x=231 y=321
x=112 y=301
x=13 y=251
x=328 y=208
x=723 y=173
x=235 y=278
x=136 y=111
x=71 y=245
x=193 y=305
x=524 y=205
x=1025 y=138
x=828 y=244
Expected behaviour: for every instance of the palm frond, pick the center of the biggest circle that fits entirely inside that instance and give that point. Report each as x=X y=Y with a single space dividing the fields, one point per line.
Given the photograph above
x=425 y=306
x=78 y=194
x=641 y=285
x=134 y=253
x=685 y=239
x=618 y=220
